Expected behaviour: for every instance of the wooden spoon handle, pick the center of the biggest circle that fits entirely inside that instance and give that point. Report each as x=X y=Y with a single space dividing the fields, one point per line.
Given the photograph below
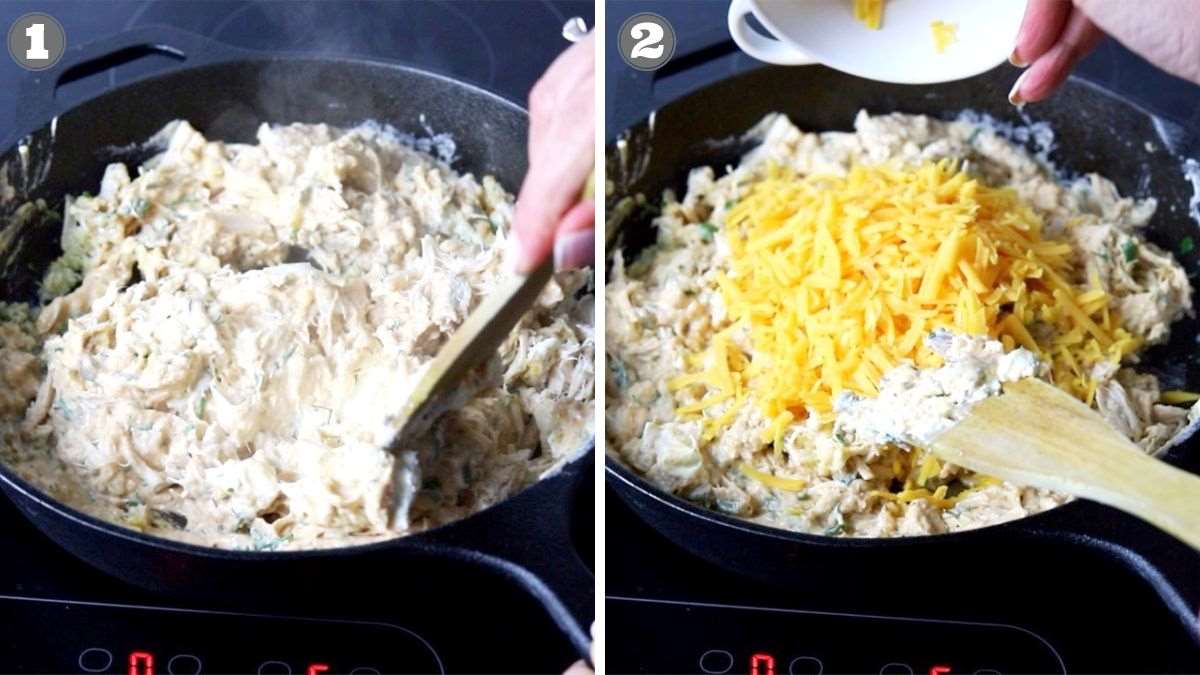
x=1035 y=434
x=1156 y=492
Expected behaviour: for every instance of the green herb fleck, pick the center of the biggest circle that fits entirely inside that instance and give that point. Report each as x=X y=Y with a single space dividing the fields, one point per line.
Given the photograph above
x=200 y=406
x=267 y=543
x=63 y=408
x=835 y=530
x=1130 y=250
x=620 y=375
x=1186 y=246
x=707 y=230
x=974 y=135
x=803 y=496
x=139 y=206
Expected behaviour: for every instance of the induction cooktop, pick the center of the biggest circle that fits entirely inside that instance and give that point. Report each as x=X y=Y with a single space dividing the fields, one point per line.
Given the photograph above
x=1045 y=609
x=58 y=615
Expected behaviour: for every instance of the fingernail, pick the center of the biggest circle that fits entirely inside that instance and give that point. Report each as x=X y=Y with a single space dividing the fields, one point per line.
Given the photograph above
x=573 y=250
x=1016 y=60
x=1014 y=96
x=515 y=259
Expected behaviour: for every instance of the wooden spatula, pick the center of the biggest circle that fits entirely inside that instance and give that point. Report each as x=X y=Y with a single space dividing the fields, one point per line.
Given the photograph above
x=475 y=341
x=1035 y=434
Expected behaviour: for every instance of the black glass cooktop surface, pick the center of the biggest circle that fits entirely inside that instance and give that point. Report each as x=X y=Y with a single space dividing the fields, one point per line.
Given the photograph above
x=61 y=616
x=1055 y=608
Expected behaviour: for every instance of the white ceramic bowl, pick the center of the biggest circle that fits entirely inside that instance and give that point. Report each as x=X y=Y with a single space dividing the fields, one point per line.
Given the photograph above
x=901 y=51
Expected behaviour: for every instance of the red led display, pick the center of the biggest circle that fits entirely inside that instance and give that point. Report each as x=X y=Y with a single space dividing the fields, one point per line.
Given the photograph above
x=939 y=670
x=141 y=663
x=318 y=668
x=762 y=664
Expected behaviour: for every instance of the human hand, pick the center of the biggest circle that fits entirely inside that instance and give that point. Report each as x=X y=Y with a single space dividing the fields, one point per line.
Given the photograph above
x=550 y=214
x=579 y=668
x=1056 y=34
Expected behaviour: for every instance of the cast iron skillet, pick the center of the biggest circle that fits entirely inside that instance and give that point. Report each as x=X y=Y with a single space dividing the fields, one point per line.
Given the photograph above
x=227 y=93
x=1096 y=131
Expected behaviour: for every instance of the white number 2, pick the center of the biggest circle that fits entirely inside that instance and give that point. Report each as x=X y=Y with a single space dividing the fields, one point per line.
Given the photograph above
x=37 y=42
x=648 y=36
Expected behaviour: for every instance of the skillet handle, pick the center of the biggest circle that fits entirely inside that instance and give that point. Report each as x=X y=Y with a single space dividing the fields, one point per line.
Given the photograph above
x=633 y=94
x=535 y=548
x=38 y=90
x=1171 y=567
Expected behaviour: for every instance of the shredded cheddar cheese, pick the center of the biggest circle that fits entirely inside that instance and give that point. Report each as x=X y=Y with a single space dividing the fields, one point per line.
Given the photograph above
x=1176 y=396
x=777 y=482
x=869 y=12
x=939 y=496
x=936 y=497
x=834 y=280
x=944 y=35
x=930 y=467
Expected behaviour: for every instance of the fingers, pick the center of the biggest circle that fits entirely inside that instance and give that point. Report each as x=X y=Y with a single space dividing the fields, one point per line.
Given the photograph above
x=551 y=188
x=1050 y=69
x=555 y=87
x=578 y=668
x=561 y=152
x=1043 y=23
x=575 y=238
x=1168 y=36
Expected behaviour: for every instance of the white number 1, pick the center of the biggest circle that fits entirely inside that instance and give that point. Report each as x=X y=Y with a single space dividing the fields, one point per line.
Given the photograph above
x=37 y=42
x=648 y=35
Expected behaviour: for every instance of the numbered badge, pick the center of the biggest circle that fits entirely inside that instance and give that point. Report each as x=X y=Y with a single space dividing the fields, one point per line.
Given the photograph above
x=36 y=41
x=647 y=41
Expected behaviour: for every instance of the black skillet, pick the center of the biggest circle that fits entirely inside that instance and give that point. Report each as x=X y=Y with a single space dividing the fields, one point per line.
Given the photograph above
x=227 y=93
x=1096 y=131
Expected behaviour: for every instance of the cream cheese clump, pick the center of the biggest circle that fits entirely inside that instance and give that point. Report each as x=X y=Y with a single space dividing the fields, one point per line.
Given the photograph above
x=915 y=405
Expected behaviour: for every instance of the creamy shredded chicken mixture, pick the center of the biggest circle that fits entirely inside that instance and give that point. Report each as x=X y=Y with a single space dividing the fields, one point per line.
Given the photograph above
x=223 y=341
x=667 y=304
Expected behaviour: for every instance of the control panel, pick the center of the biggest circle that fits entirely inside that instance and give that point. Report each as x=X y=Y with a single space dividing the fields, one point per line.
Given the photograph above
x=142 y=640
x=679 y=637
